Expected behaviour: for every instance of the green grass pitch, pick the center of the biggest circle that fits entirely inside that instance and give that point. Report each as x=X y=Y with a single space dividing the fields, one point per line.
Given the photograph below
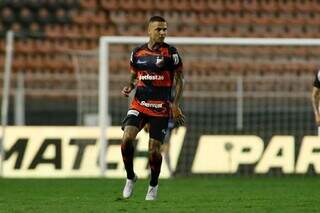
x=190 y=194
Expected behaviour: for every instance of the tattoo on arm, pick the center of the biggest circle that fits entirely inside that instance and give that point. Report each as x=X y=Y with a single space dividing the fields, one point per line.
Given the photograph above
x=179 y=82
x=133 y=79
x=315 y=100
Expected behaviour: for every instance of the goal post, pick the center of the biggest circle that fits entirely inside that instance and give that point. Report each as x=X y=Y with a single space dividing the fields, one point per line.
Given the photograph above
x=104 y=78
x=6 y=93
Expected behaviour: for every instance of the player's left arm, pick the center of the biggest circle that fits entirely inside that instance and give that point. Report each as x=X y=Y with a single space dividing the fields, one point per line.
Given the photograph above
x=315 y=97
x=177 y=114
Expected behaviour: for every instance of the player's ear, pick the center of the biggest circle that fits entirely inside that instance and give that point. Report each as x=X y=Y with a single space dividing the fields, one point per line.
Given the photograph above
x=149 y=29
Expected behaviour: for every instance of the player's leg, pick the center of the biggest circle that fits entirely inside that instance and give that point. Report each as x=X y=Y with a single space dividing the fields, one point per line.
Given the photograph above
x=165 y=149
x=157 y=133
x=166 y=146
x=131 y=126
x=155 y=160
x=127 y=149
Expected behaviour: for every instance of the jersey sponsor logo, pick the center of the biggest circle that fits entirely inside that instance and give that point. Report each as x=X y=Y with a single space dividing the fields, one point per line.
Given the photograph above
x=133 y=112
x=151 y=77
x=175 y=58
x=141 y=62
x=151 y=105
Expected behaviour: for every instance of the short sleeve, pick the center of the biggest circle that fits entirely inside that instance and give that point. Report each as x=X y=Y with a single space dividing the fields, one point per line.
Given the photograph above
x=176 y=60
x=316 y=82
x=133 y=61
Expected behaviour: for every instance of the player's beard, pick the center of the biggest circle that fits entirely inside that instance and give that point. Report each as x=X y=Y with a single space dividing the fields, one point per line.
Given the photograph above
x=160 y=40
x=156 y=41
x=157 y=44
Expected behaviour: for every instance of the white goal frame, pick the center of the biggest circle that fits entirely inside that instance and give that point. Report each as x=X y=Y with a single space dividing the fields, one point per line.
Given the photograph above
x=6 y=94
x=105 y=41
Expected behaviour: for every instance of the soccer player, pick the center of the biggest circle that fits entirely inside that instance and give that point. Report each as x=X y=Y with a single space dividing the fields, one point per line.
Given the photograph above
x=316 y=97
x=154 y=67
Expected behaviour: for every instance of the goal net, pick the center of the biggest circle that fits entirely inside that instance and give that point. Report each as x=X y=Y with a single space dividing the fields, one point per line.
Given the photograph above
x=86 y=71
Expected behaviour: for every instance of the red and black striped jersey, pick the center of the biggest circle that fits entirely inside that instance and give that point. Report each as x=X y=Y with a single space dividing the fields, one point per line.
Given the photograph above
x=155 y=71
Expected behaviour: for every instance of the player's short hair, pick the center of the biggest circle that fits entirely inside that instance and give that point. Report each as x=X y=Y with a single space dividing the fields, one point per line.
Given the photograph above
x=156 y=18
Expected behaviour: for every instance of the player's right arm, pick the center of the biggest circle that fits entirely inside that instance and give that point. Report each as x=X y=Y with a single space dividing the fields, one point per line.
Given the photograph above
x=131 y=85
x=133 y=76
x=315 y=97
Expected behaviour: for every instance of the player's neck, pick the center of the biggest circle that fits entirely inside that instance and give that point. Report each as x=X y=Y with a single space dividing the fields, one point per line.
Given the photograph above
x=153 y=45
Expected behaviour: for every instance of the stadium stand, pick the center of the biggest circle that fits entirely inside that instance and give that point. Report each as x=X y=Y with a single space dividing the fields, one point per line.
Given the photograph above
x=45 y=29
x=82 y=22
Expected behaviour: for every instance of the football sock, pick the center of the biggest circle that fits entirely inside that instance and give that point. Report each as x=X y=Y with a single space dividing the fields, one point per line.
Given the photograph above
x=155 y=160
x=127 y=151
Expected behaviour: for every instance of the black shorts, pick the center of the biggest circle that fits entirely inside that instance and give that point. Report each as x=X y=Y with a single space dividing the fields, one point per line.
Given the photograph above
x=158 y=125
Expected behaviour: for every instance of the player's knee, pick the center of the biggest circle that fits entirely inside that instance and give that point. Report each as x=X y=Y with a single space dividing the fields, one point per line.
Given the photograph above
x=154 y=147
x=129 y=135
x=155 y=155
x=127 y=138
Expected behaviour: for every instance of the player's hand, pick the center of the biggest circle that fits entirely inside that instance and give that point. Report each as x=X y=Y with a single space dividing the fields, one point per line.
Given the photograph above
x=126 y=91
x=178 y=116
x=146 y=127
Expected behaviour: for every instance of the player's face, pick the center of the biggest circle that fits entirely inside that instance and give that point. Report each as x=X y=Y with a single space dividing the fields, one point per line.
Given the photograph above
x=157 y=31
